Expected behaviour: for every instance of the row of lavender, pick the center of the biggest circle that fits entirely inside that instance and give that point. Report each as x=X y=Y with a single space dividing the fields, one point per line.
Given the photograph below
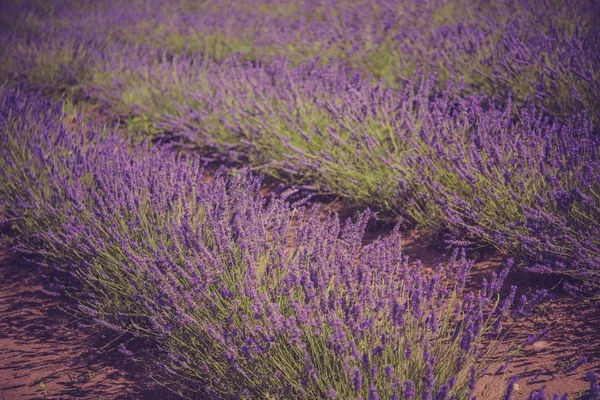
x=543 y=49
x=505 y=175
x=242 y=296
x=499 y=171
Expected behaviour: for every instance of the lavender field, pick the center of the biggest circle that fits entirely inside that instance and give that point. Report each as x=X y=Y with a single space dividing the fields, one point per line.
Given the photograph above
x=225 y=189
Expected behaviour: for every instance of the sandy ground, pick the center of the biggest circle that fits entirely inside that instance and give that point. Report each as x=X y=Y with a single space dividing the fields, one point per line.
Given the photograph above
x=45 y=355
x=553 y=362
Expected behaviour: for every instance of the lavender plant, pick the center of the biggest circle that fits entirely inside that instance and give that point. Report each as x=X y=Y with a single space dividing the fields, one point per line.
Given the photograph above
x=243 y=296
x=507 y=176
x=532 y=191
x=286 y=121
x=499 y=48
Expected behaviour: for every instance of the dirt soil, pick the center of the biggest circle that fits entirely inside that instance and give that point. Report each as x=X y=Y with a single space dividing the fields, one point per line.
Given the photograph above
x=44 y=354
x=553 y=362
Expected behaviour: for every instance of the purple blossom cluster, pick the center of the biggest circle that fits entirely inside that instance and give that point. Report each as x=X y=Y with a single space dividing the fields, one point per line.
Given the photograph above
x=496 y=173
x=499 y=171
x=527 y=186
x=243 y=296
x=475 y=119
x=500 y=48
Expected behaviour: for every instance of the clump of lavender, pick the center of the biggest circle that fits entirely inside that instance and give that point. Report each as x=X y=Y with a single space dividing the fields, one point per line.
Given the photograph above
x=500 y=48
x=505 y=176
x=243 y=296
x=594 y=379
x=526 y=186
x=498 y=171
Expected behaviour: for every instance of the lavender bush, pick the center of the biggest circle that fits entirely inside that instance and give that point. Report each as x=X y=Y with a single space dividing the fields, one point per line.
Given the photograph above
x=244 y=297
x=399 y=151
x=498 y=48
x=507 y=176
x=332 y=129
x=530 y=188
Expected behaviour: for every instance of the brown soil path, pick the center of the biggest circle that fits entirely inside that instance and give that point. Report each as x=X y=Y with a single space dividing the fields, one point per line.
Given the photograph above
x=43 y=353
x=553 y=362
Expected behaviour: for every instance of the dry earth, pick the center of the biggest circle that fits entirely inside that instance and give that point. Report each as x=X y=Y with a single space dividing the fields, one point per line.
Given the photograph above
x=45 y=355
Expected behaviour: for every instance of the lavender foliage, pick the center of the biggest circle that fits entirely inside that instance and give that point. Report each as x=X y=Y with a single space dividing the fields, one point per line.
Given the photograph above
x=481 y=156
x=502 y=175
x=243 y=296
x=499 y=47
